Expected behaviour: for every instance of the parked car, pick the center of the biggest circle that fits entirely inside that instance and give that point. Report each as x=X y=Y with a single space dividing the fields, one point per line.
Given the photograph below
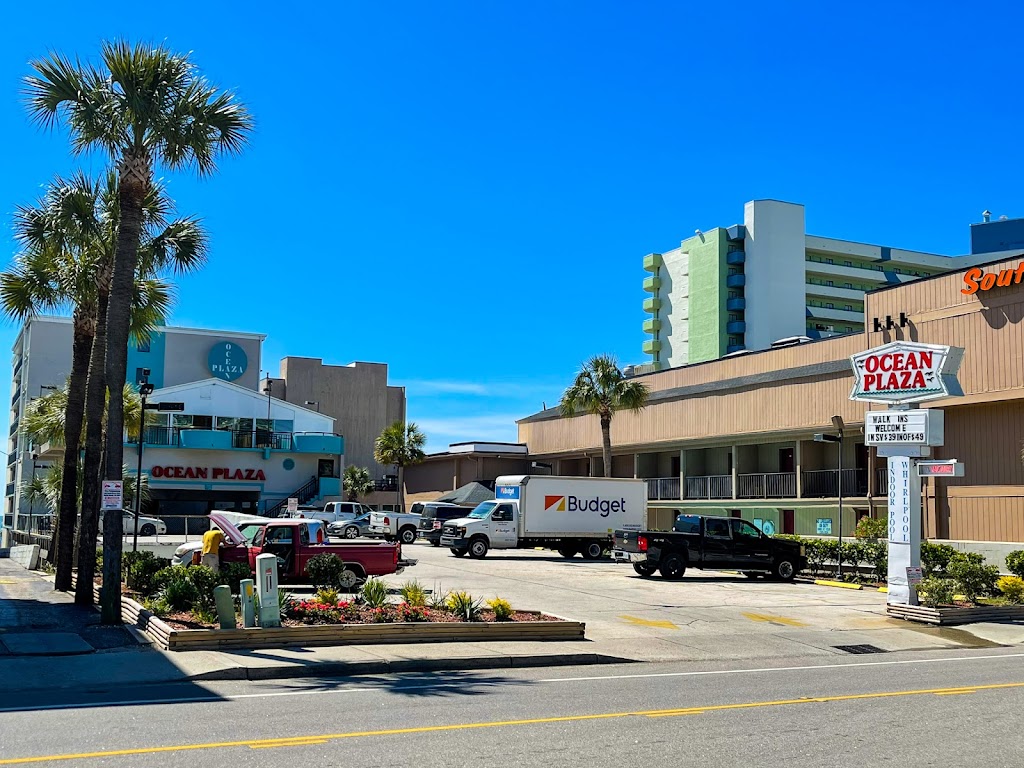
x=394 y=525
x=247 y=525
x=433 y=515
x=351 y=529
x=148 y=526
x=346 y=510
x=709 y=543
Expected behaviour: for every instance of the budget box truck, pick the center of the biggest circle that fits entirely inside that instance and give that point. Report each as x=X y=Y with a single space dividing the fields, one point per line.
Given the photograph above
x=568 y=514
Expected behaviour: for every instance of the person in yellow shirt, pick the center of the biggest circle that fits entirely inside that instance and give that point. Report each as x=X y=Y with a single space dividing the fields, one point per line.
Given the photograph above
x=213 y=539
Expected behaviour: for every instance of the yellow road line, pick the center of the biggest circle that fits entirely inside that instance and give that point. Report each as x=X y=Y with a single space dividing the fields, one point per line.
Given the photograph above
x=648 y=622
x=318 y=739
x=774 y=619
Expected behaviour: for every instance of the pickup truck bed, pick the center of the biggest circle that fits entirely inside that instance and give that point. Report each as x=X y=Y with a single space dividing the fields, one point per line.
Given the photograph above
x=708 y=543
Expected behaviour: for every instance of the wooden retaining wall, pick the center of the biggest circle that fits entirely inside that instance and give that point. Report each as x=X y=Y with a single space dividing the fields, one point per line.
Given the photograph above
x=950 y=616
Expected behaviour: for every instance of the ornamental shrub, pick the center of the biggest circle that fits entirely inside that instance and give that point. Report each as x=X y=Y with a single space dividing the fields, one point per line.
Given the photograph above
x=233 y=574
x=183 y=588
x=935 y=557
x=413 y=593
x=936 y=591
x=374 y=593
x=139 y=569
x=973 y=578
x=327 y=596
x=502 y=609
x=876 y=553
x=325 y=571
x=408 y=612
x=1012 y=588
x=465 y=606
x=872 y=528
x=1015 y=562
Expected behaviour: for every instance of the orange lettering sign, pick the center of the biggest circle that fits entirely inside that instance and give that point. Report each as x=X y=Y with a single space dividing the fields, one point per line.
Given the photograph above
x=976 y=279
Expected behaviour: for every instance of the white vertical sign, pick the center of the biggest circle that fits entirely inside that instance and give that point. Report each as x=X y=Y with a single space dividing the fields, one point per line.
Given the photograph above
x=904 y=528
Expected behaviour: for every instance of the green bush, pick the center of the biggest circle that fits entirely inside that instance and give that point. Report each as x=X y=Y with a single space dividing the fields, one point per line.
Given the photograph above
x=936 y=591
x=973 y=578
x=374 y=593
x=325 y=571
x=872 y=528
x=1012 y=588
x=1015 y=562
x=233 y=574
x=502 y=609
x=465 y=606
x=414 y=594
x=183 y=588
x=876 y=553
x=139 y=570
x=935 y=557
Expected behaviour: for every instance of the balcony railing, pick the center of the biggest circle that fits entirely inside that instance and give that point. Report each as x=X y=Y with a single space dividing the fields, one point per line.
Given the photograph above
x=709 y=487
x=766 y=485
x=259 y=438
x=663 y=488
x=824 y=483
x=882 y=481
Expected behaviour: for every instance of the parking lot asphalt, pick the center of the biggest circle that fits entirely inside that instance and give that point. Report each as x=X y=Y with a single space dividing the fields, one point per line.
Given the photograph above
x=706 y=615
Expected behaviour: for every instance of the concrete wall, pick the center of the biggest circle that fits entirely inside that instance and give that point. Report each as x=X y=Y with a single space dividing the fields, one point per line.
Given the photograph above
x=356 y=395
x=708 y=294
x=187 y=356
x=675 y=308
x=775 y=270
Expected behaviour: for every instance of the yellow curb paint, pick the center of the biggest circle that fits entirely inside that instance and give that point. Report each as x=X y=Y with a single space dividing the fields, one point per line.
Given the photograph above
x=301 y=740
x=648 y=622
x=883 y=589
x=840 y=584
x=769 y=618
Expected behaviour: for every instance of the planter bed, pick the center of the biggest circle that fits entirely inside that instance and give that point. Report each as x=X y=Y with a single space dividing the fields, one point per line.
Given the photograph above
x=955 y=615
x=534 y=626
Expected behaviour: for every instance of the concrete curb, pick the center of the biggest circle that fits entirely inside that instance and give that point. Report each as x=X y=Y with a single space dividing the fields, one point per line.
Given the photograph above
x=837 y=584
x=386 y=666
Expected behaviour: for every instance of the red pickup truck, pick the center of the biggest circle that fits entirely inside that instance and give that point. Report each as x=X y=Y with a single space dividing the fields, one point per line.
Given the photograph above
x=290 y=541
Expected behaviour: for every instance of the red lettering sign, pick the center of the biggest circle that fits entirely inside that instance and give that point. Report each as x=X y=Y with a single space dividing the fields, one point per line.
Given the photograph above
x=204 y=473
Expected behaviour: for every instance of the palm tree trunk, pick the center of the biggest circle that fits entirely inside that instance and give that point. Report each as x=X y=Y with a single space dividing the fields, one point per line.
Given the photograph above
x=134 y=177
x=73 y=418
x=606 y=444
x=95 y=393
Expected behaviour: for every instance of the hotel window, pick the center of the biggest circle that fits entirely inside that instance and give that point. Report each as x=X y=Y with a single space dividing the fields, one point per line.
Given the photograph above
x=143 y=345
x=829 y=306
x=847 y=263
x=849 y=307
x=828 y=282
x=829 y=261
x=849 y=328
x=847 y=285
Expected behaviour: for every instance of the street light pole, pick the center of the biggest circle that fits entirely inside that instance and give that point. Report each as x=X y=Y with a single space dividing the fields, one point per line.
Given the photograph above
x=145 y=389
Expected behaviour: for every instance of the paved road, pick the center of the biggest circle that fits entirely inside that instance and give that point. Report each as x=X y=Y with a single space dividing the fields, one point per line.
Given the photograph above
x=908 y=709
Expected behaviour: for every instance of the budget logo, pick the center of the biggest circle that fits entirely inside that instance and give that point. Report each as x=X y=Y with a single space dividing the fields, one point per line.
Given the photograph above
x=554 y=502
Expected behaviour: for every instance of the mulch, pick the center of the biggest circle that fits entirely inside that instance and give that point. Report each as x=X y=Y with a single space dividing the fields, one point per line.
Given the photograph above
x=185 y=619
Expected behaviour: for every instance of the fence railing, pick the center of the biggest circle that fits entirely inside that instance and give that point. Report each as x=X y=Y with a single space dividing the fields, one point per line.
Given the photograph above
x=256 y=438
x=663 y=488
x=882 y=481
x=709 y=487
x=766 y=485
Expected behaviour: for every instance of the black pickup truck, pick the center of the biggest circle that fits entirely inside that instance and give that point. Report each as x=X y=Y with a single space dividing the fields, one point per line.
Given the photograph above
x=709 y=543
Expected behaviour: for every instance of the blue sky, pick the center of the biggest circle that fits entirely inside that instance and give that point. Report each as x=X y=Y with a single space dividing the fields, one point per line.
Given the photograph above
x=466 y=190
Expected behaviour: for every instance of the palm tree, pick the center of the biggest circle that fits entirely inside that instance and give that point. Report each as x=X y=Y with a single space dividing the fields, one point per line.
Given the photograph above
x=401 y=445
x=145 y=106
x=357 y=482
x=600 y=388
x=68 y=241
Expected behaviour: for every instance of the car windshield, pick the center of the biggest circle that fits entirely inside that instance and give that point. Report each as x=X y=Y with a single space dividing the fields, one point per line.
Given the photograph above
x=249 y=531
x=483 y=509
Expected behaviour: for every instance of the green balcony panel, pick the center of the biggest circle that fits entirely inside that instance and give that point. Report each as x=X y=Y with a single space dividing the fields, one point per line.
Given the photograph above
x=652 y=262
x=652 y=284
x=652 y=325
x=651 y=346
x=652 y=304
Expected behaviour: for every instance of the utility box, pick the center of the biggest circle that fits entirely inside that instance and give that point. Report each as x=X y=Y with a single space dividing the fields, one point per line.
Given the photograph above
x=266 y=575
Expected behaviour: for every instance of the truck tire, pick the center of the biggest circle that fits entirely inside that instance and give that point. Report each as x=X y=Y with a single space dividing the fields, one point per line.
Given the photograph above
x=457 y=552
x=351 y=578
x=644 y=569
x=567 y=552
x=784 y=569
x=673 y=567
x=407 y=535
x=593 y=551
x=478 y=548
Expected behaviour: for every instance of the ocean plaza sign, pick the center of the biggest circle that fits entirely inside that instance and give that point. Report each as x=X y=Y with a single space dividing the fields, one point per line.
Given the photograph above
x=906 y=372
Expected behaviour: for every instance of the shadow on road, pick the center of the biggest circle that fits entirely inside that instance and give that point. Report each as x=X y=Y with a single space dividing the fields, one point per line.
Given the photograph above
x=445 y=684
